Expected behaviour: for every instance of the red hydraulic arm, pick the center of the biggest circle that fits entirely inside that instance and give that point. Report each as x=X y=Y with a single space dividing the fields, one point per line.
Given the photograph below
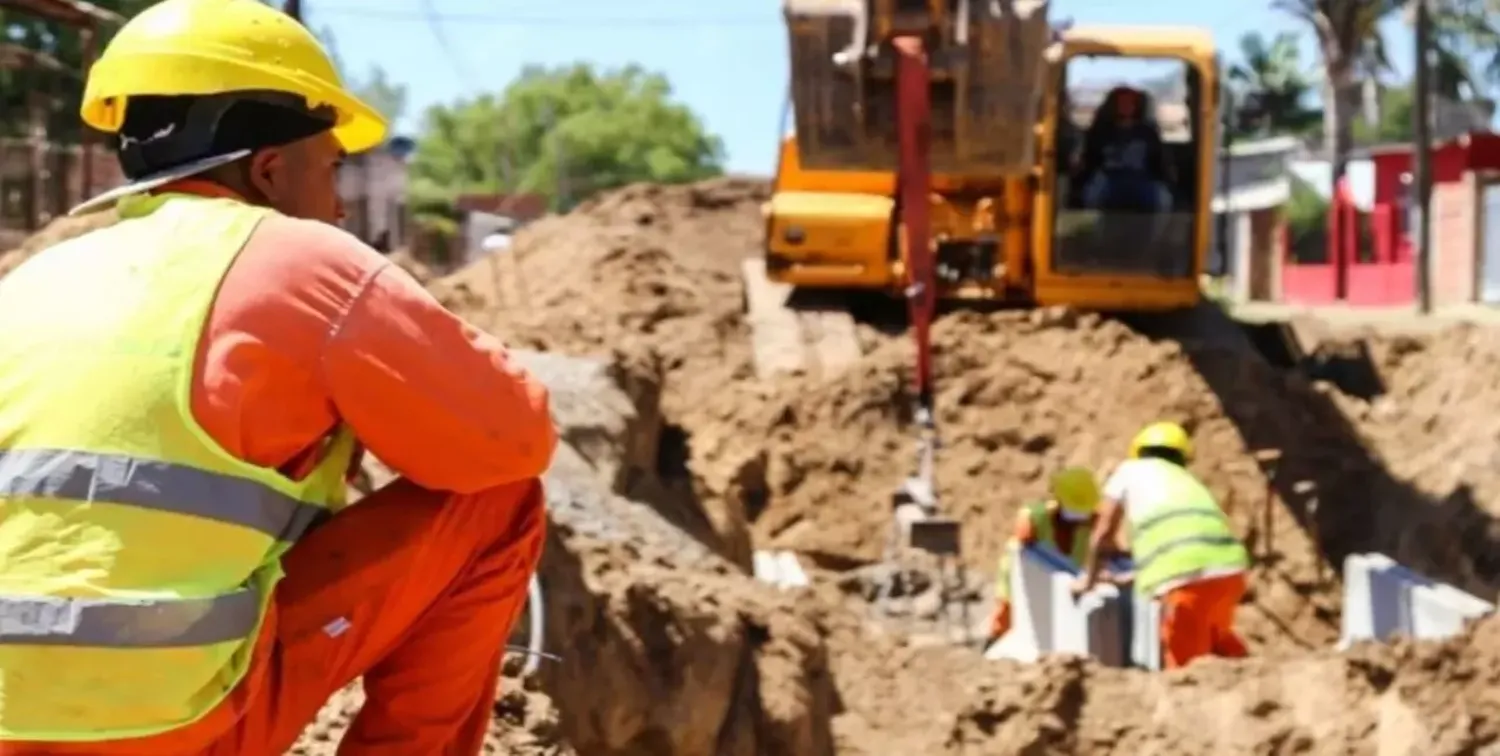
x=913 y=185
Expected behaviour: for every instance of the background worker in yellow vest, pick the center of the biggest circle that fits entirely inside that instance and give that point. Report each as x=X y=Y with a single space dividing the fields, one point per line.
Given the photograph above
x=1184 y=549
x=185 y=392
x=1063 y=522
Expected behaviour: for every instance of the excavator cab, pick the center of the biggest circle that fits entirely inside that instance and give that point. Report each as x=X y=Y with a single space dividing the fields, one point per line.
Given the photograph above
x=1124 y=203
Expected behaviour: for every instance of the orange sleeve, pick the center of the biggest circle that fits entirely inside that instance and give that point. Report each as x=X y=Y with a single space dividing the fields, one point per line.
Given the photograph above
x=435 y=398
x=1025 y=530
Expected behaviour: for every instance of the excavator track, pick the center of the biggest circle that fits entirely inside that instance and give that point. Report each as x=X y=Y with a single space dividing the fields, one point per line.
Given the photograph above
x=793 y=332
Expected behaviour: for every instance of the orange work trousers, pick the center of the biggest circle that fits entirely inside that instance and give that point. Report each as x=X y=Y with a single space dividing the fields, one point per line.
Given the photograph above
x=413 y=589
x=1198 y=619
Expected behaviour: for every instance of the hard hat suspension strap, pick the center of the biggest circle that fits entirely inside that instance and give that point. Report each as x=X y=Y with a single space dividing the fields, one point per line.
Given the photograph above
x=161 y=133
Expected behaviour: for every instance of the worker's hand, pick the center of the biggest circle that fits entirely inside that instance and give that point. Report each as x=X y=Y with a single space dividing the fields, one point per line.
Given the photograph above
x=1120 y=578
x=1082 y=585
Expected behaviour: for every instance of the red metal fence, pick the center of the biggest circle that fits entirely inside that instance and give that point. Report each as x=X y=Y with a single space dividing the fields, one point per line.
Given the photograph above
x=1368 y=260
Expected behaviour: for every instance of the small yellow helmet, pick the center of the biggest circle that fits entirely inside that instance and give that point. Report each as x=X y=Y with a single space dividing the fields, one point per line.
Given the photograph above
x=1075 y=489
x=209 y=47
x=1163 y=436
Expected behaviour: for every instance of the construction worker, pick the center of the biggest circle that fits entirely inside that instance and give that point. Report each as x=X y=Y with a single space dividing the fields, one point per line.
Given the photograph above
x=1063 y=522
x=184 y=395
x=1184 y=549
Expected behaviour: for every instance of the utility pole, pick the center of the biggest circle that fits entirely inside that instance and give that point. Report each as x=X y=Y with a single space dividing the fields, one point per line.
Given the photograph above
x=1422 y=155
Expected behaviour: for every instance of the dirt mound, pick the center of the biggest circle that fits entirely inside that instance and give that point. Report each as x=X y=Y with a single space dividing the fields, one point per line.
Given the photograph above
x=525 y=723
x=646 y=271
x=667 y=647
x=645 y=268
x=813 y=464
x=56 y=232
x=670 y=650
x=1437 y=413
x=1407 y=698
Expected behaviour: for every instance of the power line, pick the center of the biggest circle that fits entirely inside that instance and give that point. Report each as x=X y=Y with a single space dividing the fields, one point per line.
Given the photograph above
x=432 y=16
x=435 y=23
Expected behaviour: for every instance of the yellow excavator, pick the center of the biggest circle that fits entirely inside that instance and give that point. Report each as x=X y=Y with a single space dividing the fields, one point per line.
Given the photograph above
x=954 y=150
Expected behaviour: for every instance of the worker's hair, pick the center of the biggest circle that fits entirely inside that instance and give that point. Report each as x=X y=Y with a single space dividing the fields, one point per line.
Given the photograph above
x=1164 y=453
x=1106 y=118
x=164 y=132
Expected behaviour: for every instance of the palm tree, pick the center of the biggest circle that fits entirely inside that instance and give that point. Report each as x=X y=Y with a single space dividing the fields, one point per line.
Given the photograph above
x=1271 y=86
x=1352 y=50
x=1466 y=47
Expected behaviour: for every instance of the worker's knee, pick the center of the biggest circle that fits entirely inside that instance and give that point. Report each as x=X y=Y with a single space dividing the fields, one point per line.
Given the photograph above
x=512 y=515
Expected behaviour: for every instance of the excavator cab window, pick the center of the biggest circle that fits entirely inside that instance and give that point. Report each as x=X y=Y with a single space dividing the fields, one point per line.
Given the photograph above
x=1128 y=167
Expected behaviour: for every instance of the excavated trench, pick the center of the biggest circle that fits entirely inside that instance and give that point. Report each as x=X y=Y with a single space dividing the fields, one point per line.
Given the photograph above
x=676 y=462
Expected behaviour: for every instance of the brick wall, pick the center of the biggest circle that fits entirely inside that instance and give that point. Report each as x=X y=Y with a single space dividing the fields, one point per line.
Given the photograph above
x=61 y=185
x=1455 y=241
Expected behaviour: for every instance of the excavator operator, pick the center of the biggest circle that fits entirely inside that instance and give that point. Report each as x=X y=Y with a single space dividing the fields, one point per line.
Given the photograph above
x=186 y=392
x=1063 y=522
x=1123 y=166
x=1184 y=549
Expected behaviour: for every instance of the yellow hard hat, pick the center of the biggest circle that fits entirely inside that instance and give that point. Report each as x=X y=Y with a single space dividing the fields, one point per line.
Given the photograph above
x=208 y=47
x=1076 y=490
x=1163 y=436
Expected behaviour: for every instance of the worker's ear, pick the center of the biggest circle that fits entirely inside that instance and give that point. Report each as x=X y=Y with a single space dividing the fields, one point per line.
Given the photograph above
x=267 y=177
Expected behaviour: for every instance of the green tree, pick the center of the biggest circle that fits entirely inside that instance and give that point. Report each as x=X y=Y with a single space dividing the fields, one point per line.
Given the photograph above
x=1271 y=87
x=1397 y=105
x=1466 y=47
x=565 y=132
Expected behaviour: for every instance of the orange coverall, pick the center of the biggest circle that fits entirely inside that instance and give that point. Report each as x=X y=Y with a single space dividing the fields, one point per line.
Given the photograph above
x=416 y=587
x=1197 y=619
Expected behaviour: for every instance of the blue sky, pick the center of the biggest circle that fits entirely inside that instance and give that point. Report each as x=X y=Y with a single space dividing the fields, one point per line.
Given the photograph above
x=725 y=59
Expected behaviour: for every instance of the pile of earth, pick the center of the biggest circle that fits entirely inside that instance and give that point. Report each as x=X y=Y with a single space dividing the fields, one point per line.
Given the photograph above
x=56 y=232
x=652 y=274
x=670 y=650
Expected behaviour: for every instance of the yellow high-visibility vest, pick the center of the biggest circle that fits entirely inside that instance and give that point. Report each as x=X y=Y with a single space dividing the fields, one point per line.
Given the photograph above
x=137 y=557
x=1179 y=530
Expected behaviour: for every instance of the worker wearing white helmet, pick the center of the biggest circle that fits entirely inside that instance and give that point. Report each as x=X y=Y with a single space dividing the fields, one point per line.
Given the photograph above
x=1183 y=546
x=1063 y=521
x=185 y=393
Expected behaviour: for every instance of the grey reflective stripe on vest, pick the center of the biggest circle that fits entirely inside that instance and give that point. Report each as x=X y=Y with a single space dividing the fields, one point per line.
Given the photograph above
x=1173 y=515
x=152 y=484
x=1145 y=561
x=125 y=623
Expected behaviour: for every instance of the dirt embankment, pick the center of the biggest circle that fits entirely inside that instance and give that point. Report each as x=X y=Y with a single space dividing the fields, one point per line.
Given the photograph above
x=1020 y=394
x=652 y=273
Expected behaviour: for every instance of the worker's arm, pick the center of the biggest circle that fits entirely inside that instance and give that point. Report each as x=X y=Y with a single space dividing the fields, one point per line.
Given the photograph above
x=311 y=327
x=1025 y=531
x=435 y=398
x=1101 y=542
x=1106 y=527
